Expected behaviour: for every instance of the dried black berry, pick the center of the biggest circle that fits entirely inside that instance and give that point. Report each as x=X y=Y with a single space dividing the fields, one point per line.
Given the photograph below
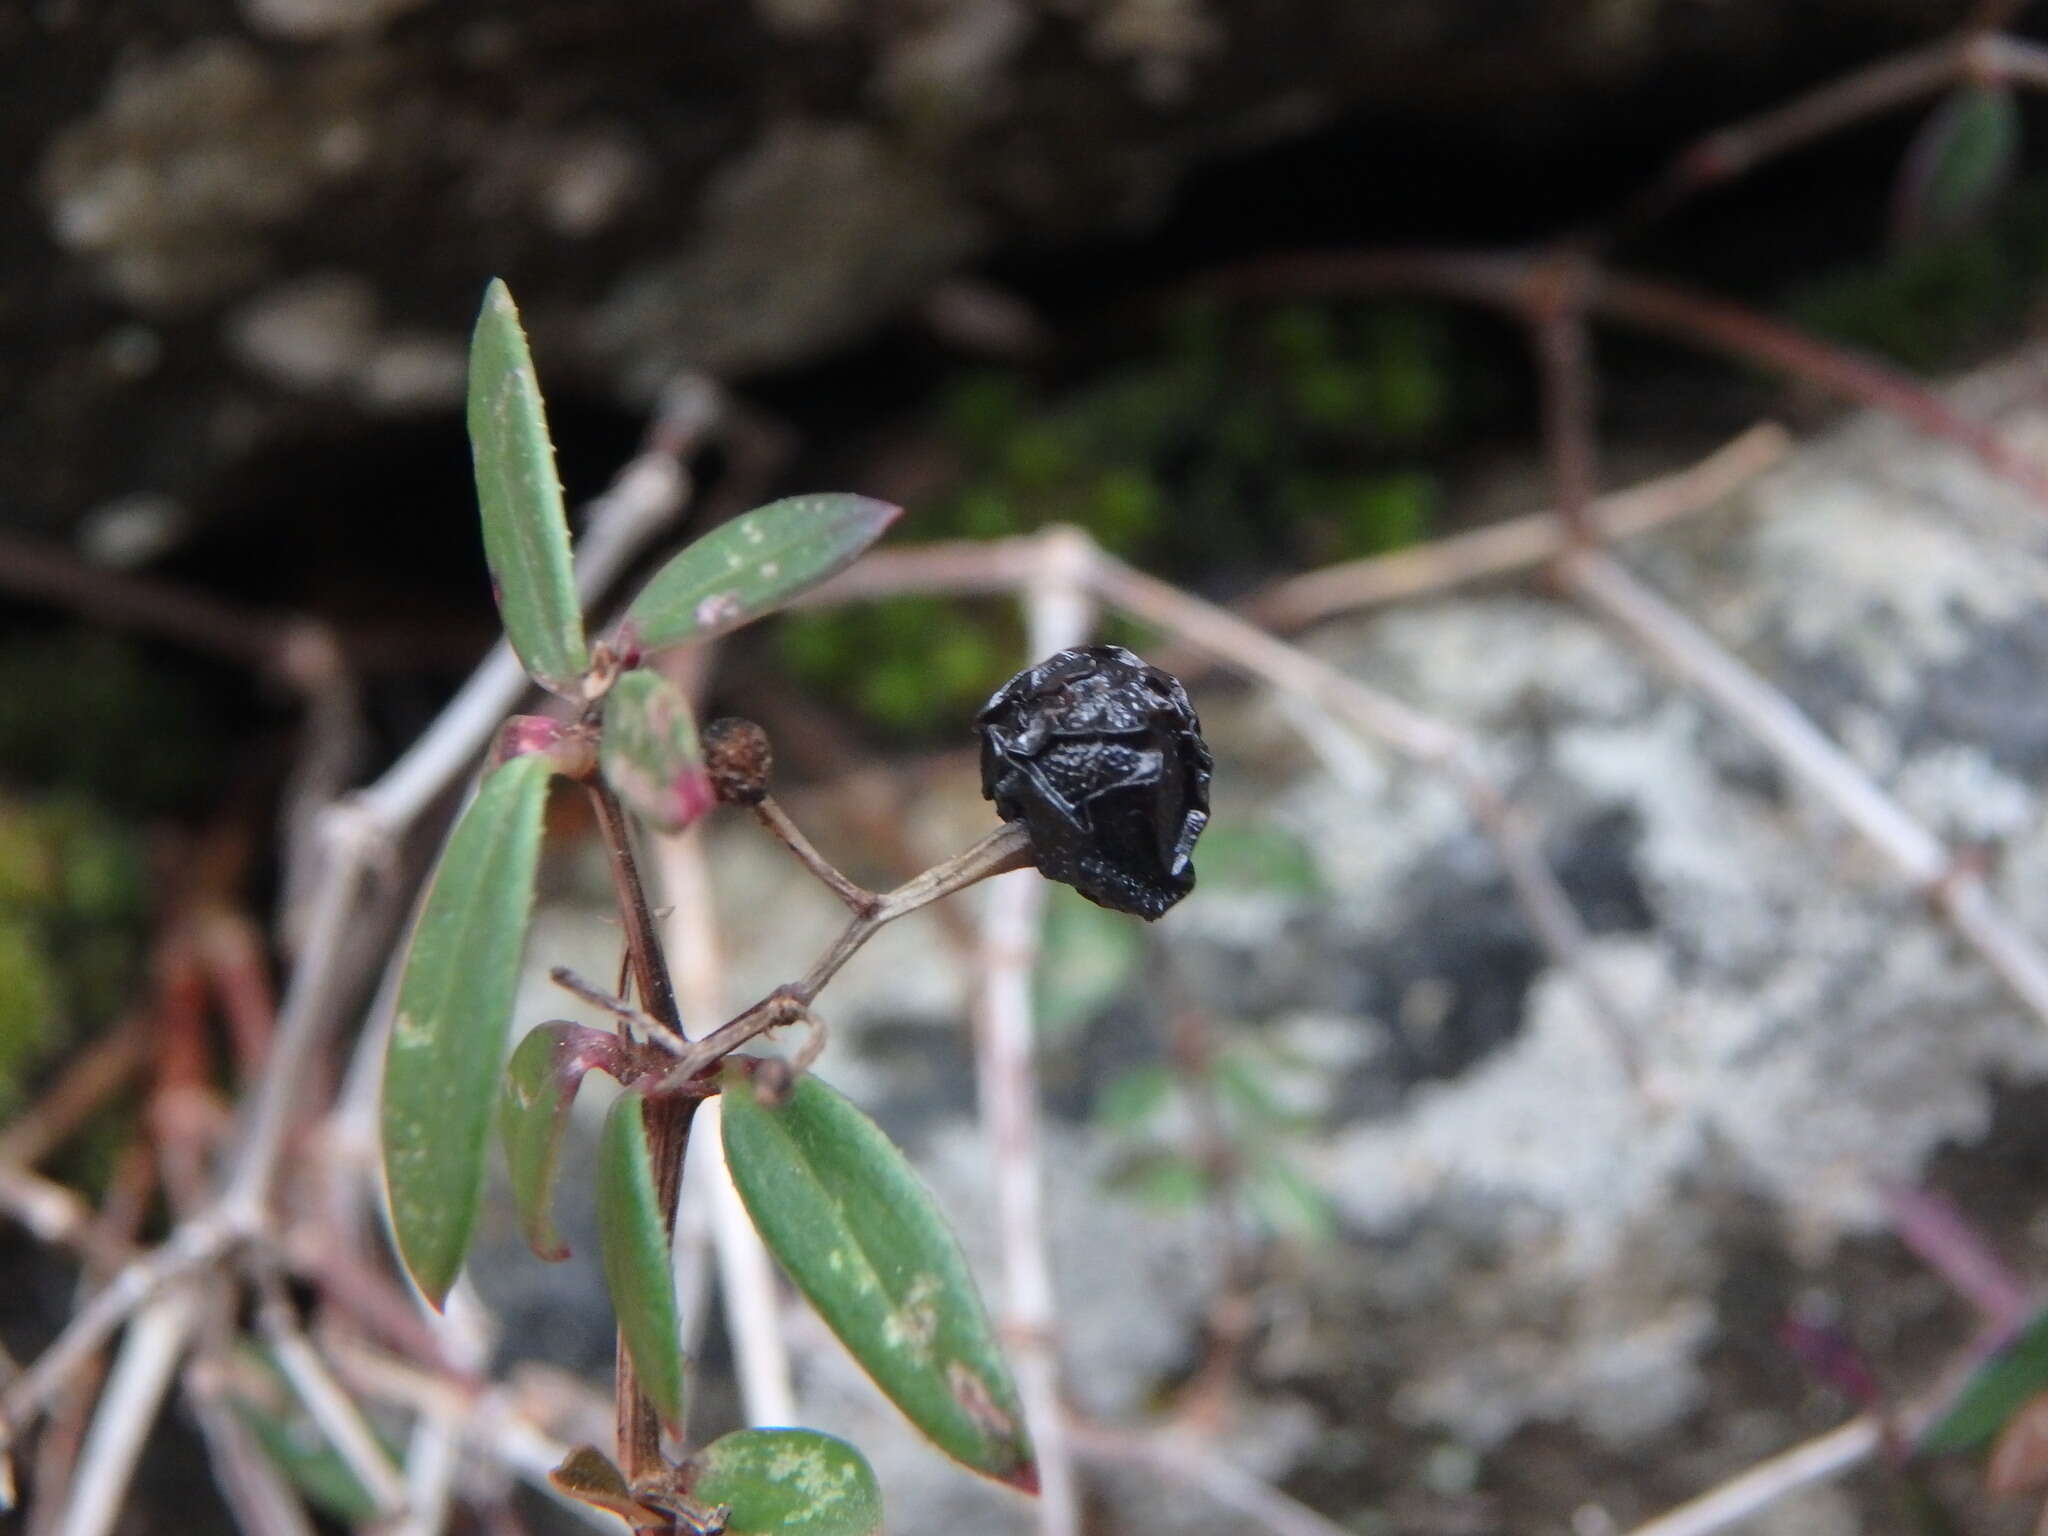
x=1102 y=758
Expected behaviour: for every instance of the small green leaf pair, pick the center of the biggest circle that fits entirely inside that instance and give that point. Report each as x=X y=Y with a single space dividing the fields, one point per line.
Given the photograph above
x=738 y=572
x=856 y=1229
x=455 y=999
x=850 y=1221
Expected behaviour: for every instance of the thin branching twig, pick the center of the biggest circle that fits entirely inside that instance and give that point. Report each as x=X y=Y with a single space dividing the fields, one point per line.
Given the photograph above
x=1518 y=544
x=355 y=838
x=1772 y=1480
x=1058 y=615
x=747 y=1284
x=1189 y=1462
x=1954 y=887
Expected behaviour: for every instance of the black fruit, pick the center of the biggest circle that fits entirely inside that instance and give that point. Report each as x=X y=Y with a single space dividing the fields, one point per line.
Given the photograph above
x=1102 y=759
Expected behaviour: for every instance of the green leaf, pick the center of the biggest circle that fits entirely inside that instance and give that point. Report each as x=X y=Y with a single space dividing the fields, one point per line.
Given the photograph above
x=1087 y=956
x=1245 y=1077
x=1133 y=1097
x=649 y=752
x=861 y=1236
x=753 y=564
x=788 y=1482
x=1257 y=858
x=264 y=1401
x=634 y=1241
x=1959 y=162
x=1166 y=1181
x=526 y=533
x=1282 y=1198
x=1994 y=1392
x=312 y=1466
x=533 y=1114
x=454 y=1011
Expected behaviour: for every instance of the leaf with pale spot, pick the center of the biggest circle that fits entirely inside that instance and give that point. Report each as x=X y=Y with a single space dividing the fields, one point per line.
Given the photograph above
x=788 y=1482
x=633 y=1239
x=752 y=565
x=454 y=1012
x=859 y=1233
x=526 y=531
x=649 y=753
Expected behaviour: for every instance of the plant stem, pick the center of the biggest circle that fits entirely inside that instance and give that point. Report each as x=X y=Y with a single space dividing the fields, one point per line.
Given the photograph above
x=668 y=1115
x=639 y=1425
x=1005 y=849
x=643 y=940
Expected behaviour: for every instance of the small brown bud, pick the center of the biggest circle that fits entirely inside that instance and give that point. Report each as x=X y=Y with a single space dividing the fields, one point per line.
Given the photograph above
x=737 y=754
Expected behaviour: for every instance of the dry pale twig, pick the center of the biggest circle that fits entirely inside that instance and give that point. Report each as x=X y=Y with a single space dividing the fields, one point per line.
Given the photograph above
x=490 y=1423
x=327 y=1401
x=142 y=1371
x=1562 y=343
x=747 y=1284
x=1007 y=848
x=1181 y=1458
x=1521 y=285
x=1519 y=543
x=262 y=1503
x=1738 y=148
x=1819 y=1460
x=1246 y=648
x=1955 y=889
x=1008 y=565
x=1059 y=615
x=92 y=1076
x=354 y=837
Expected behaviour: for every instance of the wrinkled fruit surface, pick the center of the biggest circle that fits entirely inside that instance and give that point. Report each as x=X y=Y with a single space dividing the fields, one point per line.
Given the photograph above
x=1102 y=758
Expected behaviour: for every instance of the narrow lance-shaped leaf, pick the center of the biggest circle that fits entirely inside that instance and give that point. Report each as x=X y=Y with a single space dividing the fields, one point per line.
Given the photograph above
x=260 y=1397
x=1959 y=162
x=788 y=1482
x=454 y=1011
x=533 y=1114
x=1087 y=957
x=634 y=1240
x=313 y=1466
x=649 y=753
x=1994 y=1392
x=861 y=1236
x=751 y=565
x=526 y=533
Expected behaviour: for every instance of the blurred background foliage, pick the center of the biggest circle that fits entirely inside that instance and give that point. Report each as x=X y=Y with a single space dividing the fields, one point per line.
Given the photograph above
x=1240 y=440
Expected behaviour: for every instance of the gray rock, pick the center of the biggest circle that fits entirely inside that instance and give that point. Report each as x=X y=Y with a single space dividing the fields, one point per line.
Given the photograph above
x=1532 y=1244
x=751 y=186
